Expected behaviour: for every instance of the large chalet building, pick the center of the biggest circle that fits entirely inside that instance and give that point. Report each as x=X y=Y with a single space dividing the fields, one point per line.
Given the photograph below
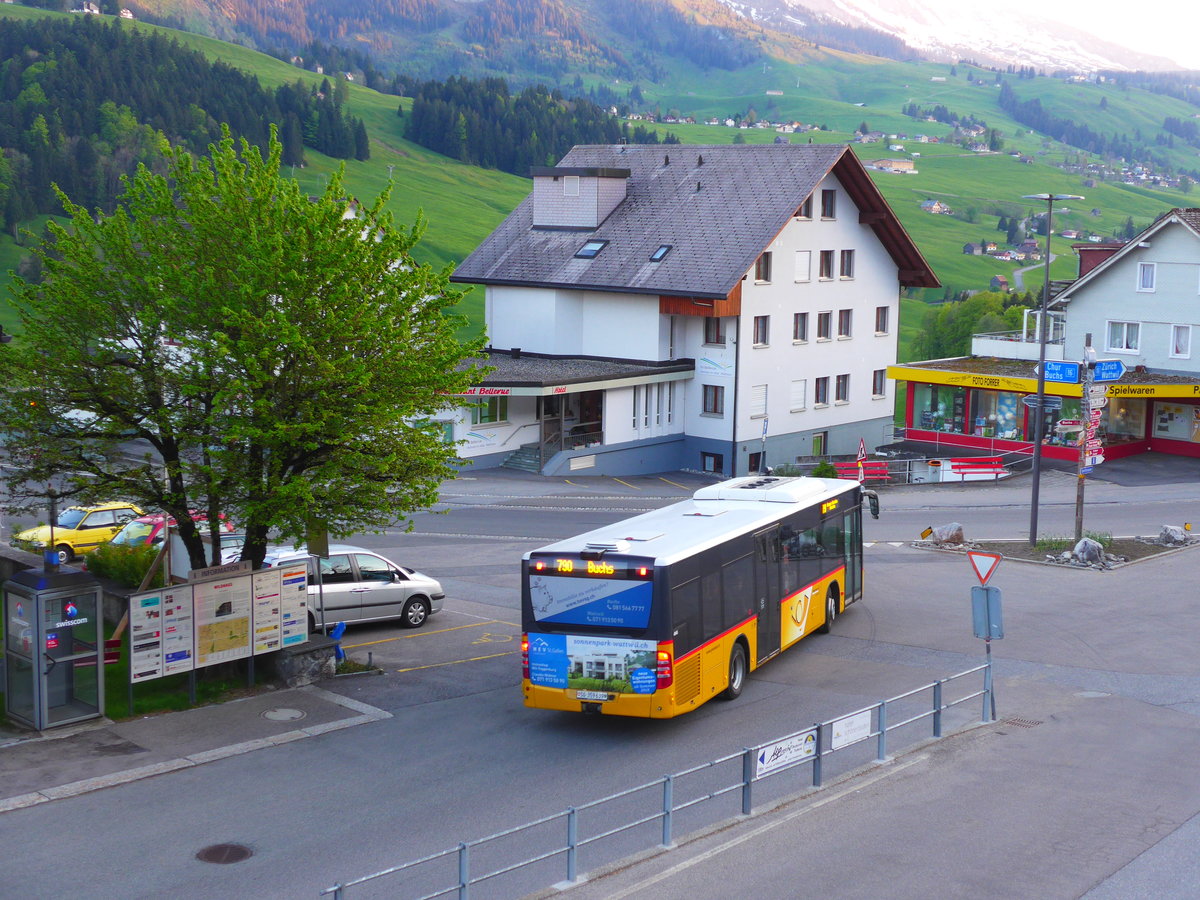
x=715 y=308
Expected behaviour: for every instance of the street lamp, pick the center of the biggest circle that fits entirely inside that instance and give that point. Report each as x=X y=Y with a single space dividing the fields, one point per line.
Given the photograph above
x=1040 y=415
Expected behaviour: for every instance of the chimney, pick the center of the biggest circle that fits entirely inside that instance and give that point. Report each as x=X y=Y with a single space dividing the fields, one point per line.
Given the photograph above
x=516 y=352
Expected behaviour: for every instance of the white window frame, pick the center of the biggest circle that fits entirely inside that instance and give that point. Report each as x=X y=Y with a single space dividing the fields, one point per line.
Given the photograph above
x=825 y=266
x=882 y=317
x=718 y=395
x=1186 y=332
x=829 y=201
x=821 y=392
x=762 y=268
x=1147 y=277
x=800 y=328
x=803 y=266
x=570 y=185
x=841 y=389
x=719 y=327
x=879 y=384
x=762 y=331
x=845 y=324
x=1125 y=344
x=846 y=265
x=825 y=317
x=500 y=407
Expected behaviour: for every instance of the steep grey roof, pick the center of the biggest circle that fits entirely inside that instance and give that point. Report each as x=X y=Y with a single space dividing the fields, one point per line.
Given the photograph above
x=717 y=206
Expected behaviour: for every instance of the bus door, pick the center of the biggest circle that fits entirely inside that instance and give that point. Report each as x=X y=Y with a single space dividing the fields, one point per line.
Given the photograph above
x=852 y=523
x=766 y=591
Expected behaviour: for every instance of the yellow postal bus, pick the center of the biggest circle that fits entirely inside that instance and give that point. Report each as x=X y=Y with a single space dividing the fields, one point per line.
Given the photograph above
x=655 y=615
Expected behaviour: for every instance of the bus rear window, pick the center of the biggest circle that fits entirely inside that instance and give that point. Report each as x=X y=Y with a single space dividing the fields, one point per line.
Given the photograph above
x=600 y=602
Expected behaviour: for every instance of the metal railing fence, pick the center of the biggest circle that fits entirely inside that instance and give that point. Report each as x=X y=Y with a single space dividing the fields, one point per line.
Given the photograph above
x=812 y=746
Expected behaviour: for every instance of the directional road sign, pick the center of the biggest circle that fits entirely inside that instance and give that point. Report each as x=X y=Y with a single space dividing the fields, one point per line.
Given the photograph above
x=1060 y=372
x=1093 y=459
x=1108 y=370
x=1047 y=402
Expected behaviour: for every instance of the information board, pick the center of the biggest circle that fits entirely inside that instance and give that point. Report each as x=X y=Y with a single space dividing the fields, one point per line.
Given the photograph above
x=293 y=603
x=189 y=626
x=266 y=611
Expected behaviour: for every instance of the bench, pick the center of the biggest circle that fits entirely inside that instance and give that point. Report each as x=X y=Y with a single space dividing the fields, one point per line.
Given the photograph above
x=978 y=465
x=872 y=470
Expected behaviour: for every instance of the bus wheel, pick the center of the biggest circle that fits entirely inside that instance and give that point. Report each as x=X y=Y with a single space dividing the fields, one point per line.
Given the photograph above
x=737 y=673
x=831 y=605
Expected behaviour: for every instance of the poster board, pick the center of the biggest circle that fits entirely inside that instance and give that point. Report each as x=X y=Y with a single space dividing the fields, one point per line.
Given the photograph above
x=215 y=620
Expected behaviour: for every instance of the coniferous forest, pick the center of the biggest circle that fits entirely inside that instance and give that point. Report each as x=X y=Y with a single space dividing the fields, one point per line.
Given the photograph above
x=83 y=103
x=481 y=123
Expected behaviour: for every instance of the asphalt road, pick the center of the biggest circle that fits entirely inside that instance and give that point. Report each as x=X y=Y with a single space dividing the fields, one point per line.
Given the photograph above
x=1103 y=664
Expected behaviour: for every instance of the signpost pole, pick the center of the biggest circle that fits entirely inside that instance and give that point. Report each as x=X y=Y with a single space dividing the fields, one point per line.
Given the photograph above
x=1089 y=362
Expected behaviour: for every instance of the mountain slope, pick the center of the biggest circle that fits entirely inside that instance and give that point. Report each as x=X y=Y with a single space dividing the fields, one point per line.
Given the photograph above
x=993 y=34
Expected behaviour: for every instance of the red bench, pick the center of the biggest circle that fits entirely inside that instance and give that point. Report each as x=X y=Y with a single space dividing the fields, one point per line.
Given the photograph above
x=872 y=470
x=978 y=465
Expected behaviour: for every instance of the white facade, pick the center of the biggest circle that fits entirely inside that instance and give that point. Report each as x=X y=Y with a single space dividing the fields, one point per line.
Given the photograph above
x=827 y=307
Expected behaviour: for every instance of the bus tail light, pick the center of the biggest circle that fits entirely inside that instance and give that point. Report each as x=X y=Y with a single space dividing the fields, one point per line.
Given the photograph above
x=525 y=656
x=665 y=670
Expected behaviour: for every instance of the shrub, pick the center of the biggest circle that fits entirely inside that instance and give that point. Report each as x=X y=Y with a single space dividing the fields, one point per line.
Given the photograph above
x=824 y=469
x=126 y=565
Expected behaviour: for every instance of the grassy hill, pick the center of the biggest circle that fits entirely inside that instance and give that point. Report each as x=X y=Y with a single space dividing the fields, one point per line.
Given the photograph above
x=463 y=203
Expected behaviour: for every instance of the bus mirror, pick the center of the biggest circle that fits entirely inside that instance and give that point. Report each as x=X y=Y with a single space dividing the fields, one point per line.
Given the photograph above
x=873 y=502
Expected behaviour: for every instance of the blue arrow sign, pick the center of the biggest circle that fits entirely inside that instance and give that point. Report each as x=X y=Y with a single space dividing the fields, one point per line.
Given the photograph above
x=1108 y=370
x=1061 y=372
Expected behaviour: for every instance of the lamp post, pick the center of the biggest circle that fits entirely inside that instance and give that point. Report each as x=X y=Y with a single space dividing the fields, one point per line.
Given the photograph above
x=1040 y=414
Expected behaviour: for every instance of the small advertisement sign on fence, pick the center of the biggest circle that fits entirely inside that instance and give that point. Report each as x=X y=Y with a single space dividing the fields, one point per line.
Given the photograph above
x=772 y=757
x=850 y=729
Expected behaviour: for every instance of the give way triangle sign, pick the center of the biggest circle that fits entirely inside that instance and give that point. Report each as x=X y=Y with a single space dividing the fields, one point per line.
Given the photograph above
x=984 y=564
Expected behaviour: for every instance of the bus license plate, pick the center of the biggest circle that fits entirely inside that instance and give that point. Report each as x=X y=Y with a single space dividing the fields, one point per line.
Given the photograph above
x=591 y=695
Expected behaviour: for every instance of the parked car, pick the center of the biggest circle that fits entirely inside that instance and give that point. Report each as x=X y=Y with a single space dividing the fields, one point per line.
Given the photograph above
x=78 y=529
x=359 y=585
x=151 y=529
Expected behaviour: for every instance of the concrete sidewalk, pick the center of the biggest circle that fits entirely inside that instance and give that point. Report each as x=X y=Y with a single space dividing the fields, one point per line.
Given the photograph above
x=93 y=755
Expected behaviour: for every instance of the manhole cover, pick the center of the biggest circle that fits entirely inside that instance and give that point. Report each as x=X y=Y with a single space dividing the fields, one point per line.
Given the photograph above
x=224 y=853
x=1022 y=723
x=280 y=714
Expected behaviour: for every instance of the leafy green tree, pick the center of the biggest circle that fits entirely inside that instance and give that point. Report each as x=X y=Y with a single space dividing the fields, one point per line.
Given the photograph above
x=280 y=357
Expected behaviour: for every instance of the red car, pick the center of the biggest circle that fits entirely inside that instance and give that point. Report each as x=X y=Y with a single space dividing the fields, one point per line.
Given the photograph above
x=152 y=529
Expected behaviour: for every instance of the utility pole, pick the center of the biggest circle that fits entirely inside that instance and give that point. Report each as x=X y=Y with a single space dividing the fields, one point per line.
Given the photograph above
x=1087 y=431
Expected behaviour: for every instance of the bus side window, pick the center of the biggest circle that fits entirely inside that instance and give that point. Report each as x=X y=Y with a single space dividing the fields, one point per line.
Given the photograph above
x=685 y=612
x=738 y=586
x=710 y=594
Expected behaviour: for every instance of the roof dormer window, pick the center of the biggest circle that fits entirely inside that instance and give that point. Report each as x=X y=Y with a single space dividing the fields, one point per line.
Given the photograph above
x=657 y=255
x=590 y=250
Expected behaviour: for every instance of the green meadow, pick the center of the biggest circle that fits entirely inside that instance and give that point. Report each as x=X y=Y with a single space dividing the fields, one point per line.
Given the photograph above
x=462 y=204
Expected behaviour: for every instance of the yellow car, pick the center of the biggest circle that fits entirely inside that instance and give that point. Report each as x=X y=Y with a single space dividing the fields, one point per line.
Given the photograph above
x=78 y=529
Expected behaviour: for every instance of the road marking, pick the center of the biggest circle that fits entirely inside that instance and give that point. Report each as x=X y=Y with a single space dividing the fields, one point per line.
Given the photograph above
x=417 y=634
x=455 y=662
x=626 y=483
x=676 y=483
x=850 y=788
x=489 y=638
